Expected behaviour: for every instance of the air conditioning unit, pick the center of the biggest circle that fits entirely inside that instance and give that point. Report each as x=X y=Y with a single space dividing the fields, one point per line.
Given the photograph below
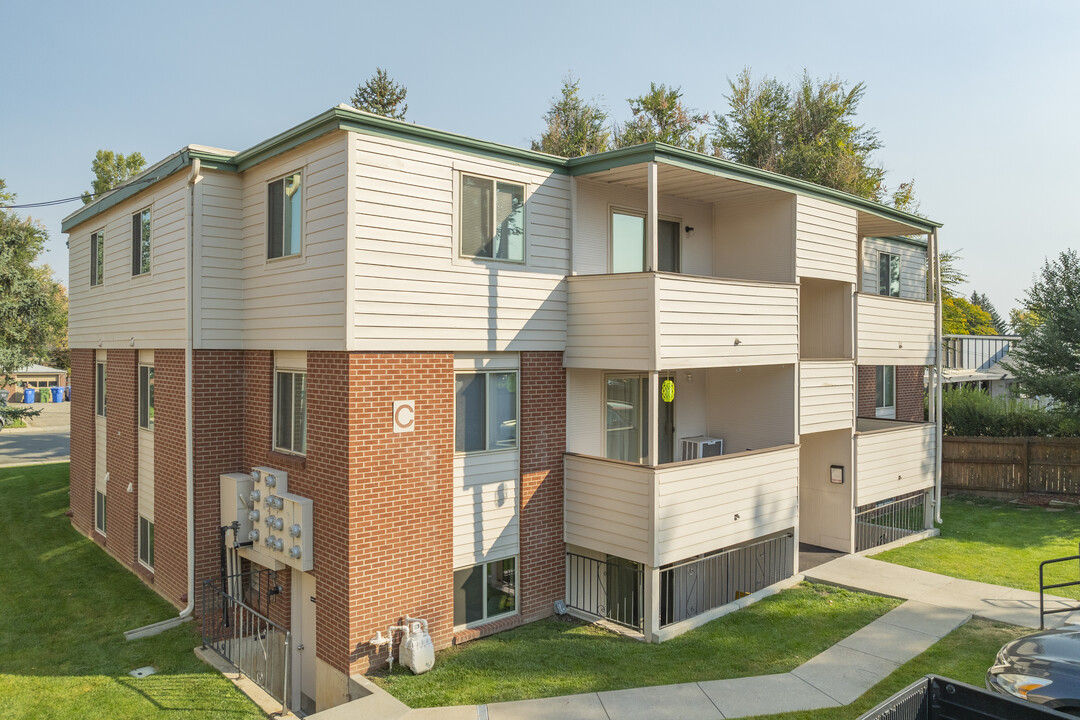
x=702 y=446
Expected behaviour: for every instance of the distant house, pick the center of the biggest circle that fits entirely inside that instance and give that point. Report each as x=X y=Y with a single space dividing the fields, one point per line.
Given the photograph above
x=35 y=376
x=975 y=361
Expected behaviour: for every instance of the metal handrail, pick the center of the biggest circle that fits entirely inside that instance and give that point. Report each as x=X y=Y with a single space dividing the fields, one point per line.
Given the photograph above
x=1043 y=587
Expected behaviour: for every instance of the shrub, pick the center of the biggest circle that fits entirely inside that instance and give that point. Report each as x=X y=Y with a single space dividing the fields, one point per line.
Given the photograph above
x=973 y=413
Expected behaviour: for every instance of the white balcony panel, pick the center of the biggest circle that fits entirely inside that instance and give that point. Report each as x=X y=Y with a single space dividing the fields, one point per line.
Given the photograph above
x=608 y=324
x=826 y=395
x=897 y=459
x=608 y=506
x=893 y=331
x=826 y=240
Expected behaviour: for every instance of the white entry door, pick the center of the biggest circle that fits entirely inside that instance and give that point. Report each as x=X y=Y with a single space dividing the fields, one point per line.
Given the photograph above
x=303 y=640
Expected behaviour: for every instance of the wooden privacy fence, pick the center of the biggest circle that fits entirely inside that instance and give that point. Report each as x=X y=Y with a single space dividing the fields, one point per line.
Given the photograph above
x=1011 y=465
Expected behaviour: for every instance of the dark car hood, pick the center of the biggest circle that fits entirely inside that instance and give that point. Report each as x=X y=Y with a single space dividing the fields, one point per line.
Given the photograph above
x=1061 y=646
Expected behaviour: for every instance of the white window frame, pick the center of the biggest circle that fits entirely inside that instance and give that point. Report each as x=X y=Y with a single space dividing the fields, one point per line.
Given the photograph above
x=101 y=512
x=148 y=547
x=303 y=213
x=137 y=242
x=97 y=258
x=145 y=400
x=487 y=416
x=895 y=258
x=494 y=214
x=101 y=407
x=885 y=411
x=517 y=592
x=274 y=421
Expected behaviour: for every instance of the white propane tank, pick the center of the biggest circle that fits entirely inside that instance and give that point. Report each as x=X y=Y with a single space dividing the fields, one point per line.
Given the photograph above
x=417 y=651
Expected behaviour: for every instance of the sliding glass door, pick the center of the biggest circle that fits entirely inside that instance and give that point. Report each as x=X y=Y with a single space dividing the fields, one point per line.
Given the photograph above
x=628 y=244
x=626 y=411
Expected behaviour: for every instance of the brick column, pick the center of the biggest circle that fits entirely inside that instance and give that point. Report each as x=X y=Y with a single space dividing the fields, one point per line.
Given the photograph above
x=867 y=390
x=543 y=442
x=170 y=477
x=122 y=461
x=83 y=438
x=909 y=393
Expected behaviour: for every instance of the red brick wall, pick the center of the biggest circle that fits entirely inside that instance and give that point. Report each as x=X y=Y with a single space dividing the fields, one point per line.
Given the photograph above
x=170 y=477
x=401 y=499
x=83 y=438
x=909 y=392
x=543 y=441
x=122 y=454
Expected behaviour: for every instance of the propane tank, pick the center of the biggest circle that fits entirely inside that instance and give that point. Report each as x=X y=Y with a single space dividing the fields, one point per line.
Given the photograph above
x=417 y=652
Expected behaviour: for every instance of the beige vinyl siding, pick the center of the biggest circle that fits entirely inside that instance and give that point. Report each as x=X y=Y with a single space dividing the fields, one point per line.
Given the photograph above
x=610 y=322
x=485 y=506
x=826 y=510
x=893 y=331
x=893 y=462
x=825 y=316
x=297 y=303
x=146 y=474
x=752 y=408
x=912 y=267
x=413 y=291
x=712 y=504
x=709 y=322
x=219 y=256
x=592 y=225
x=101 y=435
x=608 y=506
x=826 y=395
x=827 y=241
x=151 y=308
x=755 y=241
x=585 y=411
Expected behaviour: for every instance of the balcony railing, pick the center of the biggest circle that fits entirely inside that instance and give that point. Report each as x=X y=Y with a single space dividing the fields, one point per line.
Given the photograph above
x=893 y=331
x=892 y=458
x=668 y=513
x=669 y=321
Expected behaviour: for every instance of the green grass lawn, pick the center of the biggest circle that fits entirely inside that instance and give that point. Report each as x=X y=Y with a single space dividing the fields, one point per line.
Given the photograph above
x=553 y=657
x=64 y=605
x=963 y=655
x=998 y=542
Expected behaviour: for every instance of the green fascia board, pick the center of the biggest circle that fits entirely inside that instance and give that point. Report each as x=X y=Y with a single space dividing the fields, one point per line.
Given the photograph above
x=697 y=162
x=170 y=165
x=902 y=239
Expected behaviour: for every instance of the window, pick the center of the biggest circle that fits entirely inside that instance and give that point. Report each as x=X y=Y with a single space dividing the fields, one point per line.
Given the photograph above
x=284 y=212
x=492 y=219
x=485 y=411
x=886 y=391
x=628 y=244
x=99 y=390
x=290 y=412
x=146 y=396
x=888 y=274
x=140 y=242
x=97 y=257
x=99 y=512
x=146 y=542
x=485 y=592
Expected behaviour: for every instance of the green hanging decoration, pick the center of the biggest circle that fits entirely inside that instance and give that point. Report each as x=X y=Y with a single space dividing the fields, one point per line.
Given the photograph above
x=667 y=390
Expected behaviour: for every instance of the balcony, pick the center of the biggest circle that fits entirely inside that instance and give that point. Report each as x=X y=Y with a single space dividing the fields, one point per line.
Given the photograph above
x=892 y=458
x=659 y=515
x=893 y=331
x=669 y=321
x=826 y=395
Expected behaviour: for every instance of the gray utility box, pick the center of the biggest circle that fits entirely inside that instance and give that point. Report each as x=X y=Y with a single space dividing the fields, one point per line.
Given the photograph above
x=938 y=698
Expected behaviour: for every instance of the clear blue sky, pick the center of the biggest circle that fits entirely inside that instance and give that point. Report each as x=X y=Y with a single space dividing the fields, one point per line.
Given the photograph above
x=977 y=101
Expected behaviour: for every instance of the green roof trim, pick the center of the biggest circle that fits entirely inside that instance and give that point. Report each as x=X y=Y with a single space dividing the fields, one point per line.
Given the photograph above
x=349 y=119
x=697 y=162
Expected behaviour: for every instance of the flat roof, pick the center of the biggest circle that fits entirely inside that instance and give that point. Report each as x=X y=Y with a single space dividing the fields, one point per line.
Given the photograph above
x=344 y=117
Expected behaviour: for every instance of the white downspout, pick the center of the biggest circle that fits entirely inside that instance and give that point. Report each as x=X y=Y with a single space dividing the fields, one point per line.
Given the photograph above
x=189 y=445
x=939 y=423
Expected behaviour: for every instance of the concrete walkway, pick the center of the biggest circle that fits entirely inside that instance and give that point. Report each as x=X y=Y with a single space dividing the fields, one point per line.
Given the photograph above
x=935 y=606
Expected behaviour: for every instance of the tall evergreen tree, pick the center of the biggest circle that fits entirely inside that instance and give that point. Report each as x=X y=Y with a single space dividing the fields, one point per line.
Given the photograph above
x=660 y=116
x=112 y=169
x=981 y=300
x=380 y=95
x=574 y=127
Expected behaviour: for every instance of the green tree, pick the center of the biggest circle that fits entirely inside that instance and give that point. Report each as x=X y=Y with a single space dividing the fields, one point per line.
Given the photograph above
x=1047 y=359
x=807 y=131
x=112 y=169
x=660 y=116
x=31 y=314
x=951 y=275
x=380 y=95
x=981 y=300
x=574 y=127
x=959 y=317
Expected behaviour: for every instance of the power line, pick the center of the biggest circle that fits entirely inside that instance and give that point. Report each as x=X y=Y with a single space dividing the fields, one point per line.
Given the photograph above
x=62 y=201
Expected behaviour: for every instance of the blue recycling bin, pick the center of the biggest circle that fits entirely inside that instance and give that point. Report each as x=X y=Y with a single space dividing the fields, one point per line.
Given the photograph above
x=57 y=394
x=28 y=395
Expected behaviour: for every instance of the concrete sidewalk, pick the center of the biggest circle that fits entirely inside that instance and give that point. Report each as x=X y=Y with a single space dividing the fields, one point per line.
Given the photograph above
x=936 y=605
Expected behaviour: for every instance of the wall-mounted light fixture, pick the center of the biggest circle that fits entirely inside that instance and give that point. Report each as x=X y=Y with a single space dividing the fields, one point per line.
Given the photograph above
x=836 y=474
x=689 y=230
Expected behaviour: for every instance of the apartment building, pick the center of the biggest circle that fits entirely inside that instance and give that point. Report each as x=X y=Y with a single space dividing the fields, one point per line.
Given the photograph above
x=382 y=371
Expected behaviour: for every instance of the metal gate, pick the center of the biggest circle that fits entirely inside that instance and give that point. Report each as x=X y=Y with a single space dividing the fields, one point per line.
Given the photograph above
x=245 y=637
